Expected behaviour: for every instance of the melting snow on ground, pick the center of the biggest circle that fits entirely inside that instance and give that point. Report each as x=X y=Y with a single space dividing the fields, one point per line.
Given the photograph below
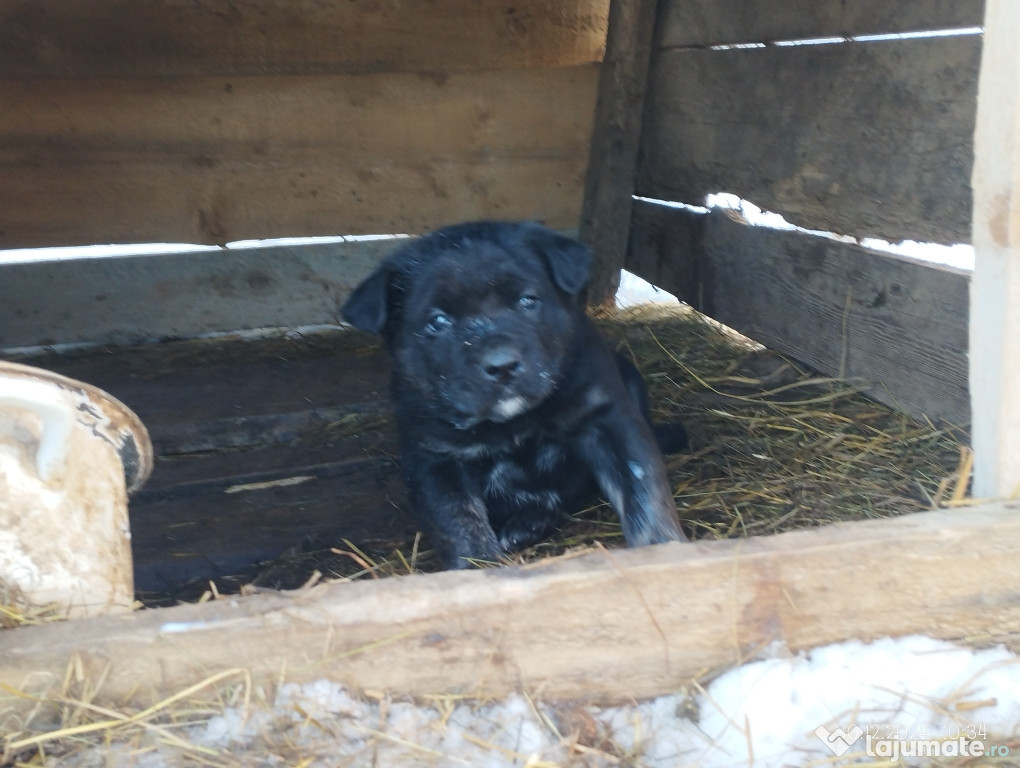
x=838 y=705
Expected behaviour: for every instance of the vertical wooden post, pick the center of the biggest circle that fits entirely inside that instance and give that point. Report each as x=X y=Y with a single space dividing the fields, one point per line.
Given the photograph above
x=995 y=288
x=612 y=164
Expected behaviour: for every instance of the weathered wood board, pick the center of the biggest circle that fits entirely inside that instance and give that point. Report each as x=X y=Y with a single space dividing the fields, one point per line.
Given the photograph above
x=995 y=289
x=249 y=523
x=609 y=625
x=843 y=309
x=612 y=165
x=700 y=23
x=217 y=159
x=169 y=38
x=862 y=139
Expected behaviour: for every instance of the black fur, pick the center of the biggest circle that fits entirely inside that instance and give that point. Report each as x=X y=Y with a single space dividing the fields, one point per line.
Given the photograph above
x=511 y=408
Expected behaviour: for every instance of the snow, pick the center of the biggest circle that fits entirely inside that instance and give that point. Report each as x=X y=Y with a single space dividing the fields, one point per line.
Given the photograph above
x=105 y=251
x=958 y=256
x=905 y=689
x=774 y=712
x=634 y=291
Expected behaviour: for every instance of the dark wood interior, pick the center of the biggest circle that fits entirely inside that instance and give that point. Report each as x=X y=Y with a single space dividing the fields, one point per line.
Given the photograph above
x=263 y=447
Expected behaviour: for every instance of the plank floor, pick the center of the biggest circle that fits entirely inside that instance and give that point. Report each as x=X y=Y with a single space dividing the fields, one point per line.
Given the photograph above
x=263 y=447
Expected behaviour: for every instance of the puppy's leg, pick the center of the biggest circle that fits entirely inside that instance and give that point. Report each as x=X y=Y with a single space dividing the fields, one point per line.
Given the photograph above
x=452 y=513
x=622 y=453
x=671 y=437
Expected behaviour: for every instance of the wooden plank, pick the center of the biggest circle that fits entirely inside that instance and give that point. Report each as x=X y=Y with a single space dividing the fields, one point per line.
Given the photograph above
x=995 y=289
x=630 y=623
x=844 y=310
x=134 y=299
x=609 y=182
x=729 y=22
x=869 y=140
x=188 y=535
x=210 y=160
x=167 y=38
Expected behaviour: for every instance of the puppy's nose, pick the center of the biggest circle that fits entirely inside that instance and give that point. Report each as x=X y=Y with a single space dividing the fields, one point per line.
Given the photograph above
x=501 y=364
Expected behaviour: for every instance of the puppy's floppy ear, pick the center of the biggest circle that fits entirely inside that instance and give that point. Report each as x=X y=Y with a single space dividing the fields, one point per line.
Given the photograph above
x=569 y=260
x=367 y=307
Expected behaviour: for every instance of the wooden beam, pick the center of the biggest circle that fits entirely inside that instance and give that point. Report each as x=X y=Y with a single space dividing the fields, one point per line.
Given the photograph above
x=612 y=162
x=995 y=288
x=607 y=625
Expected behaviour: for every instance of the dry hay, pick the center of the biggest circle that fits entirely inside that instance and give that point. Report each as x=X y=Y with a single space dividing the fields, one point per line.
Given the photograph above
x=16 y=610
x=226 y=721
x=774 y=447
x=777 y=447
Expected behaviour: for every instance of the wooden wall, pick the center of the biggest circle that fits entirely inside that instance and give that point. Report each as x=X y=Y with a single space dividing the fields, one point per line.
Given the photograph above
x=867 y=139
x=213 y=121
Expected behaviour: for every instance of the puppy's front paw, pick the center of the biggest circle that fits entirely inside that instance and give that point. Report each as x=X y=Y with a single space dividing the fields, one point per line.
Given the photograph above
x=469 y=547
x=655 y=527
x=523 y=531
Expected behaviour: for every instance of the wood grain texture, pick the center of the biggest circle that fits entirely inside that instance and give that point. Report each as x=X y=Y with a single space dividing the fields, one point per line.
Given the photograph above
x=869 y=140
x=212 y=160
x=843 y=309
x=609 y=626
x=995 y=290
x=609 y=182
x=728 y=22
x=165 y=38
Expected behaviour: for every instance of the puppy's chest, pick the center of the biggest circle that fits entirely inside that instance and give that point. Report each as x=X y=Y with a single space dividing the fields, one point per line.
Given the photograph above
x=529 y=474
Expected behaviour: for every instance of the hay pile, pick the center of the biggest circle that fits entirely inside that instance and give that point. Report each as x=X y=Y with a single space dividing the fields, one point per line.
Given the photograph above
x=224 y=722
x=774 y=447
x=777 y=447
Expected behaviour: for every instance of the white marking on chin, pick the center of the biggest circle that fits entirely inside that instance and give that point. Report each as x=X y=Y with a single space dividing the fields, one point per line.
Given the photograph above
x=505 y=410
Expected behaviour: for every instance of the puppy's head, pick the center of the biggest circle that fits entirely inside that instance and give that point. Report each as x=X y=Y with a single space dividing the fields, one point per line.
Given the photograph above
x=478 y=316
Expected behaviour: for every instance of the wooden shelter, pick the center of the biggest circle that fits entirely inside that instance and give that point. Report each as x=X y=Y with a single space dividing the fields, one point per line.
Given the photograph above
x=222 y=121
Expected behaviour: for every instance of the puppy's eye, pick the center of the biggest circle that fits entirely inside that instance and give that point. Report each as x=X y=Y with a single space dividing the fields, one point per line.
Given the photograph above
x=438 y=323
x=528 y=302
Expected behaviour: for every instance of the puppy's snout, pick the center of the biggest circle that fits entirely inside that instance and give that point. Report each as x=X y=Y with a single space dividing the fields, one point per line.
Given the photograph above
x=501 y=364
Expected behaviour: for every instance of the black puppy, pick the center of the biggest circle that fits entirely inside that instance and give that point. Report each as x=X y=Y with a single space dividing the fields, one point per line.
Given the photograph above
x=511 y=408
